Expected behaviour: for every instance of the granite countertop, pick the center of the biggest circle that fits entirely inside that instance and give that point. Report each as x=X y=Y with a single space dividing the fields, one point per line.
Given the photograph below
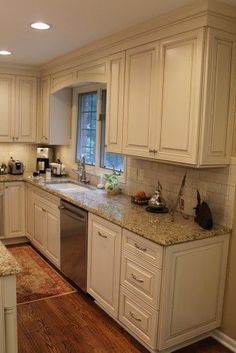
x=118 y=209
x=8 y=264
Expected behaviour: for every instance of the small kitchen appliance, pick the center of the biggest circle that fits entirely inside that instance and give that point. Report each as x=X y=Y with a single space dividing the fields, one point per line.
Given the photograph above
x=15 y=167
x=42 y=162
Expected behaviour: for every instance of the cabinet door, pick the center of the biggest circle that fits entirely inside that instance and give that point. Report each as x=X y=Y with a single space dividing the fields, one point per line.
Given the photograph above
x=7 y=107
x=140 y=100
x=53 y=237
x=14 y=202
x=179 y=97
x=104 y=244
x=44 y=110
x=40 y=226
x=25 y=123
x=115 y=95
x=218 y=104
x=29 y=215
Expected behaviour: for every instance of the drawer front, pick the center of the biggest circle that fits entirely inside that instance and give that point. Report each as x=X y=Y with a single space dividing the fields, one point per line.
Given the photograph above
x=141 y=278
x=140 y=318
x=143 y=248
x=1 y=187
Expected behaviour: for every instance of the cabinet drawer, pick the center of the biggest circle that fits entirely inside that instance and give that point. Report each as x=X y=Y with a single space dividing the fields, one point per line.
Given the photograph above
x=143 y=248
x=141 y=278
x=139 y=317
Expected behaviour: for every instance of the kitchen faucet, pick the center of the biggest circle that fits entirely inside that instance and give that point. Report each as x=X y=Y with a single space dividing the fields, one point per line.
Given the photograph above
x=81 y=171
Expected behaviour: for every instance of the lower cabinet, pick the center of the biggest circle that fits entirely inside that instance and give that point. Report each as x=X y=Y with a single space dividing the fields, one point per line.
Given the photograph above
x=14 y=209
x=104 y=244
x=164 y=296
x=43 y=223
x=8 y=314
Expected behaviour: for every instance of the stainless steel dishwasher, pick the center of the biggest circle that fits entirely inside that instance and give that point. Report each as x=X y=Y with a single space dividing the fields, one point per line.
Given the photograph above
x=74 y=241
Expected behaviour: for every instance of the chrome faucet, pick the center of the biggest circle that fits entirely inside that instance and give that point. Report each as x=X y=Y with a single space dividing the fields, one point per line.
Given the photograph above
x=81 y=171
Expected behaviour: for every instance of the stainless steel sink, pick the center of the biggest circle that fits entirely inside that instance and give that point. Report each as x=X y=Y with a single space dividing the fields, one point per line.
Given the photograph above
x=67 y=187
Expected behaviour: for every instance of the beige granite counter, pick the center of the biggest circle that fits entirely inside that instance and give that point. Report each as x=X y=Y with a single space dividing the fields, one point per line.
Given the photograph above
x=8 y=264
x=118 y=209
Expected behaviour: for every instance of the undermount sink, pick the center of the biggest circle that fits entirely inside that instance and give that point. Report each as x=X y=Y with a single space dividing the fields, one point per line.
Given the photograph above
x=67 y=187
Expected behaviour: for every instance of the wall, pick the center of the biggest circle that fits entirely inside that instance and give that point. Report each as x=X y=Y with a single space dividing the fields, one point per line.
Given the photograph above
x=24 y=152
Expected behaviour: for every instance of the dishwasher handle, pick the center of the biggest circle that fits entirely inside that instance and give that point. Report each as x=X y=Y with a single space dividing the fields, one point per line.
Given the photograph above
x=75 y=214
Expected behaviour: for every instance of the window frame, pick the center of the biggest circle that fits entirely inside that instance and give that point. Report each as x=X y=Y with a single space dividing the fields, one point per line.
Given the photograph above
x=93 y=169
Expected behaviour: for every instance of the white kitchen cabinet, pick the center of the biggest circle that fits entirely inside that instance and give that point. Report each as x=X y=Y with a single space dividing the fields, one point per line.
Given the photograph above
x=46 y=226
x=29 y=210
x=18 y=96
x=8 y=315
x=7 y=106
x=104 y=243
x=115 y=103
x=26 y=104
x=55 y=114
x=14 y=209
x=140 y=113
x=180 y=97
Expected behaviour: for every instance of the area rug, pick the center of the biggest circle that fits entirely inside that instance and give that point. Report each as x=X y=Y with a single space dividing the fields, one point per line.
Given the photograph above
x=37 y=280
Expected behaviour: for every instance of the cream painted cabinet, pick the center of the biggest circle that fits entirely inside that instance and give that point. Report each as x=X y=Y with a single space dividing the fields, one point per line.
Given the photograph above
x=8 y=315
x=26 y=108
x=29 y=210
x=104 y=243
x=14 y=209
x=46 y=225
x=180 y=97
x=18 y=95
x=115 y=103
x=140 y=113
x=7 y=107
x=55 y=114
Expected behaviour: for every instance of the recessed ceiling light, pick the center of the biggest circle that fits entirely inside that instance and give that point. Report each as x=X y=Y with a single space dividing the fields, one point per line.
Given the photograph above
x=5 y=52
x=40 y=25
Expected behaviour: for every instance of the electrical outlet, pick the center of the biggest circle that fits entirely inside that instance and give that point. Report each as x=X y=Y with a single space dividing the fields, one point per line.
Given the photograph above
x=181 y=204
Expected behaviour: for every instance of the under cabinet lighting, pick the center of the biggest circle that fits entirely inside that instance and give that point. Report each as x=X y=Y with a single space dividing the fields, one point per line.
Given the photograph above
x=5 y=52
x=40 y=25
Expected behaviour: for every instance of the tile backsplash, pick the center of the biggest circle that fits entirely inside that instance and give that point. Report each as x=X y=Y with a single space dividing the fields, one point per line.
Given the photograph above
x=216 y=185
x=24 y=152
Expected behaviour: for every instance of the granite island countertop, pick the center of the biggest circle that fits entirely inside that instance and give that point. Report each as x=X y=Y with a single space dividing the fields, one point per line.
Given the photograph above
x=118 y=209
x=8 y=264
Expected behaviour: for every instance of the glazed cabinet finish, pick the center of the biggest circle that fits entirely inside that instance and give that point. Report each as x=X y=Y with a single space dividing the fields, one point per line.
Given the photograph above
x=179 y=97
x=115 y=104
x=104 y=242
x=7 y=106
x=140 y=100
x=8 y=315
x=18 y=96
x=55 y=114
x=14 y=209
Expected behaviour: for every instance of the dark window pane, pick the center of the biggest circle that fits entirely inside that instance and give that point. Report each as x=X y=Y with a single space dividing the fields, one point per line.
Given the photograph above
x=86 y=133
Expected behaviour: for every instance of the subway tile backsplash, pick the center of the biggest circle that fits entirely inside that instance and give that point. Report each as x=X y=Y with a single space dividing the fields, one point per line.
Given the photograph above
x=216 y=185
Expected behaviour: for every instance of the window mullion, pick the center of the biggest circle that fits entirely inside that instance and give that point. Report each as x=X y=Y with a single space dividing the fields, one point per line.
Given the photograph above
x=98 y=129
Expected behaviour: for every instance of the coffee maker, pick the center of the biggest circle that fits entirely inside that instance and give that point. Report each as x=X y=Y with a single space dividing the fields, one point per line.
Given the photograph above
x=42 y=162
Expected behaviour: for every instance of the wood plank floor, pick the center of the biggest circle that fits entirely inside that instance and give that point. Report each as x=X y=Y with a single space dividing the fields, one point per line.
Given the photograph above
x=74 y=324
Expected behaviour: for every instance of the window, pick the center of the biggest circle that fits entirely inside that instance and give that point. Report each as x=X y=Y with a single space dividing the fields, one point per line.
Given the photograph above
x=91 y=132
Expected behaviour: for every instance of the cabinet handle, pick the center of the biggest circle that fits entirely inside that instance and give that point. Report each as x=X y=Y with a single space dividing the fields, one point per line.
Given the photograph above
x=6 y=187
x=137 y=279
x=134 y=317
x=102 y=235
x=61 y=207
x=152 y=150
x=139 y=247
x=43 y=209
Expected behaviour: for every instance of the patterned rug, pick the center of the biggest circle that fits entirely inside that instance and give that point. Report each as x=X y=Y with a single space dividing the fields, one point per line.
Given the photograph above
x=38 y=280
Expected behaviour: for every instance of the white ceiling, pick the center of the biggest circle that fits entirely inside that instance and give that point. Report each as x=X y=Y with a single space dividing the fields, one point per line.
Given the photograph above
x=75 y=24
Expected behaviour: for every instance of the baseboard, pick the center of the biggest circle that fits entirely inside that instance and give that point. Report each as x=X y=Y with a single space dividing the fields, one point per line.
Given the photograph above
x=225 y=340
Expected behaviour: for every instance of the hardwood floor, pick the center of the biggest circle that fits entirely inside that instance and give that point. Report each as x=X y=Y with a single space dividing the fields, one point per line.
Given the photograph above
x=74 y=324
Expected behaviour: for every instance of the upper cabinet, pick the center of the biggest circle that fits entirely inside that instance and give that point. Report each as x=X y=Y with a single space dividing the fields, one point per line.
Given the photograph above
x=115 y=97
x=55 y=115
x=18 y=95
x=140 y=100
x=178 y=99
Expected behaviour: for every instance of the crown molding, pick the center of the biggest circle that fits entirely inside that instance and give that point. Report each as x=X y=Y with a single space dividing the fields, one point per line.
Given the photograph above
x=20 y=69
